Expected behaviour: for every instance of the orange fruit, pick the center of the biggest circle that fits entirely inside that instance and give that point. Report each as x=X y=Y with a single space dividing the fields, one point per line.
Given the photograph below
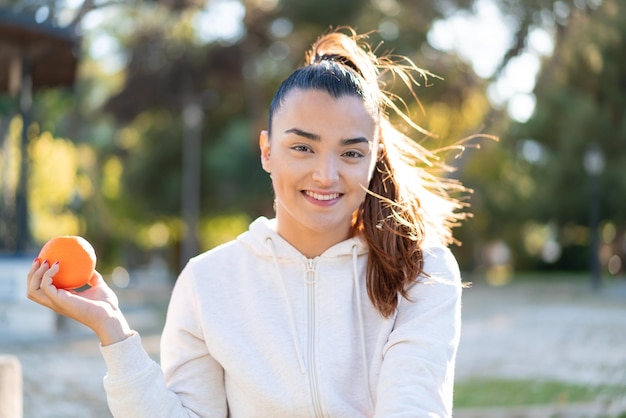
x=76 y=258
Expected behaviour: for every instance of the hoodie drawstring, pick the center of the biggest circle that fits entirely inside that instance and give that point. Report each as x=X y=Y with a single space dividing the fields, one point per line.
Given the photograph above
x=355 y=277
x=292 y=321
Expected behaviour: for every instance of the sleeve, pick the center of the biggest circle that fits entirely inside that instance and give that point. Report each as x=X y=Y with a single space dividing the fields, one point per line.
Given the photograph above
x=189 y=369
x=134 y=383
x=189 y=382
x=417 y=373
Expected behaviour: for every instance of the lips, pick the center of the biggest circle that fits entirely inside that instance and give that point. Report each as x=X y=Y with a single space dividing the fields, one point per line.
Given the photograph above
x=322 y=196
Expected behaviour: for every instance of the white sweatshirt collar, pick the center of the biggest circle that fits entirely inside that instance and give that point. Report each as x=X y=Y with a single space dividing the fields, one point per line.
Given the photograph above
x=262 y=229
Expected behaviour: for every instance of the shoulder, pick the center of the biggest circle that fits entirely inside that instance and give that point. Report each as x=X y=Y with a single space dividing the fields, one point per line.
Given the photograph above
x=212 y=274
x=224 y=251
x=440 y=263
x=435 y=297
x=441 y=276
x=216 y=260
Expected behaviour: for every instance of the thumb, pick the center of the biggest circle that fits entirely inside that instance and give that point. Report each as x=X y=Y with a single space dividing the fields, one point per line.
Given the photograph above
x=93 y=281
x=96 y=280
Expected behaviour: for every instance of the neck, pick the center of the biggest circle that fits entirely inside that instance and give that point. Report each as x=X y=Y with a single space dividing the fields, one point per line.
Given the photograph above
x=312 y=243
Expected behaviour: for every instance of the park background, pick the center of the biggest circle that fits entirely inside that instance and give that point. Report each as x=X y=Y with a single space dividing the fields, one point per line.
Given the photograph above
x=142 y=121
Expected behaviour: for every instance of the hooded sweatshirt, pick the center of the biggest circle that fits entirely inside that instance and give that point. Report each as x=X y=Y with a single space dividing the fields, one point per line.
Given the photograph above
x=256 y=329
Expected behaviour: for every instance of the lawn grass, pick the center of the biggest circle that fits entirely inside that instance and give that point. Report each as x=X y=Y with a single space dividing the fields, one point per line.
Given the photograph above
x=505 y=392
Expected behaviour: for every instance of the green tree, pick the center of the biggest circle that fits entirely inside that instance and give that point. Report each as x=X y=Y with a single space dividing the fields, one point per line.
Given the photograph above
x=580 y=102
x=133 y=117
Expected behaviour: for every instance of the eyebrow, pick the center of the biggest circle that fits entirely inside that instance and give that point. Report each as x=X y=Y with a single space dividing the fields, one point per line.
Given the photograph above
x=315 y=137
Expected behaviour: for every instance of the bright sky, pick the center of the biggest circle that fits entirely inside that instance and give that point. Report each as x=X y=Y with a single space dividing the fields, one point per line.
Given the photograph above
x=482 y=39
x=220 y=19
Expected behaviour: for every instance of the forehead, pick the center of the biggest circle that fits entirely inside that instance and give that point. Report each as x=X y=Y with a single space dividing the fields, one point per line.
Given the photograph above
x=318 y=109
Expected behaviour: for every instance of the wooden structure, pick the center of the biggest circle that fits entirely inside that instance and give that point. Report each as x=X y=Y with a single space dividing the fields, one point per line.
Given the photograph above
x=50 y=52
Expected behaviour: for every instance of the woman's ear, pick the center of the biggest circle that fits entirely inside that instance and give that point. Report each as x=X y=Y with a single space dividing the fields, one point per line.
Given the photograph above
x=264 y=145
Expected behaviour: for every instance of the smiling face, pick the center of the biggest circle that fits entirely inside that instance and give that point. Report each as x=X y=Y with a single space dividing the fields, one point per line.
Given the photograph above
x=321 y=158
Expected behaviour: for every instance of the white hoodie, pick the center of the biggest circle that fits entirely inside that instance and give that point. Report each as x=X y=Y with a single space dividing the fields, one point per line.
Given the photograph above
x=255 y=329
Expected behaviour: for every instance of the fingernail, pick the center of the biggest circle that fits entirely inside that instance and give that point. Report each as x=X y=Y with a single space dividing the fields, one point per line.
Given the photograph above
x=55 y=263
x=45 y=262
x=36 y=260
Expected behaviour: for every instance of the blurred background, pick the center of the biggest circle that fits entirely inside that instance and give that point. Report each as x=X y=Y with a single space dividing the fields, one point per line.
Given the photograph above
x=142 y=120
x=135 y=124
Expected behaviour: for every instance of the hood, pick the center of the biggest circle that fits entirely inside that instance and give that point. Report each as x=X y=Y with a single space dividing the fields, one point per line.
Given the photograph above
x=262 y=229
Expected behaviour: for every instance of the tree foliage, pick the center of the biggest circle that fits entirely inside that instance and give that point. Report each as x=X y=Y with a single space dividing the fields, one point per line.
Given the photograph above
x=131 y=119
x=580 y=103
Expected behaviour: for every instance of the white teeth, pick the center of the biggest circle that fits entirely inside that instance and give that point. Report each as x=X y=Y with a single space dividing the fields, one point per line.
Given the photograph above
x=316 y=196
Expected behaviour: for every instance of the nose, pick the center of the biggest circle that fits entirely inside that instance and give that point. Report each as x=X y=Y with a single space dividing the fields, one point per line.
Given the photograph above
x=326 y=171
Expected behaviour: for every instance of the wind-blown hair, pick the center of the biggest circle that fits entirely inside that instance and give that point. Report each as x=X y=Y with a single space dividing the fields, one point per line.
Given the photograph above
x=409 y=199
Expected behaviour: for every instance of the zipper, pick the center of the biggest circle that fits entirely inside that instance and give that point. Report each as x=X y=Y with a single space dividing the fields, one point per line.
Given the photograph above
x=311 y=280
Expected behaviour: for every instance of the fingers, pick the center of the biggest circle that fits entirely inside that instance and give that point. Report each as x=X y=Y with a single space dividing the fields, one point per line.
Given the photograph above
x=30 y=279
x=39 y=285
x=46 y=285
x=35 y=275
x=43 y=291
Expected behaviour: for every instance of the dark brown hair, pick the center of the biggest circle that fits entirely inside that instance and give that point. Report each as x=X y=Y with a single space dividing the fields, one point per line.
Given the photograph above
x=409 y=199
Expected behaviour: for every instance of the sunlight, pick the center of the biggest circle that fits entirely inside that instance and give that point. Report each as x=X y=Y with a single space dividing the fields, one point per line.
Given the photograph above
x=521 y=106
x=220 y=20
x=482 y=39
x=103 y=46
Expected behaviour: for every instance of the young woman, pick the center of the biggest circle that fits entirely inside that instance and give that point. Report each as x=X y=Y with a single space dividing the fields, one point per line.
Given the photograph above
x=347 y=304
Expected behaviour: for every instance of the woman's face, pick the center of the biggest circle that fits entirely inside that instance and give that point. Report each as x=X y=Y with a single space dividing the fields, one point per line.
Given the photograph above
x=321 y=156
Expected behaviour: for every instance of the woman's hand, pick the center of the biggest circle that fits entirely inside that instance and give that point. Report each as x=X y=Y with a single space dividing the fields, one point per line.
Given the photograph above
x=96 y=307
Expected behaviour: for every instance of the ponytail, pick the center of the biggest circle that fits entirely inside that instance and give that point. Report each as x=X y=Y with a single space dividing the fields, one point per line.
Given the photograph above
x=398 y=213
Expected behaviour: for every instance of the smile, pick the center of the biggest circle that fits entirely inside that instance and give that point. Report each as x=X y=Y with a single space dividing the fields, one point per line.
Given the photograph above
x=323 y=197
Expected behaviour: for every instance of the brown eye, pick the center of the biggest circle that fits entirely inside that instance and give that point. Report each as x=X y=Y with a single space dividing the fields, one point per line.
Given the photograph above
x=353 y=154
x=301 y=148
